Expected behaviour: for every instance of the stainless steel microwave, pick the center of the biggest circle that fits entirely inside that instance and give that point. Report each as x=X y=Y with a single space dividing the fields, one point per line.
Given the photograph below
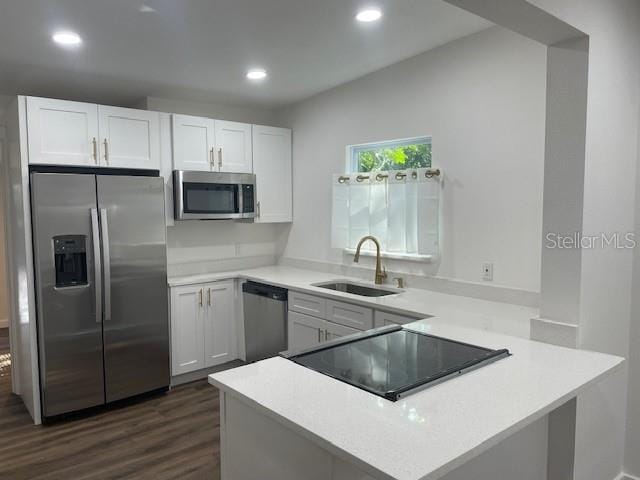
x=213 y=196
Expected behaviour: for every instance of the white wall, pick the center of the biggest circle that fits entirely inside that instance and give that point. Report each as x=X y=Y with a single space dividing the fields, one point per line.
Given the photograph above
x=482 y=98
x=610 y=197
x=4 y=306
x=632 y=458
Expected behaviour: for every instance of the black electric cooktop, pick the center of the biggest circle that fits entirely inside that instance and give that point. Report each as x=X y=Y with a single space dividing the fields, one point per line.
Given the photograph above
x=392 y=362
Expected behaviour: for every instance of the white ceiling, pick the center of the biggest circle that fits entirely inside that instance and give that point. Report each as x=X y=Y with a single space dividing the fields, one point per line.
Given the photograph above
x=201 y=49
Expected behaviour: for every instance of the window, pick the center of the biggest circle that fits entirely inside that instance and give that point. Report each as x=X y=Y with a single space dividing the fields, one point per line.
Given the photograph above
x=393 y=155
x=401 y=209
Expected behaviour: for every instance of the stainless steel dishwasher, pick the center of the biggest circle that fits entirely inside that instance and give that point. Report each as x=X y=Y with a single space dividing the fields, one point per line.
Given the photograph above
x=265 y=320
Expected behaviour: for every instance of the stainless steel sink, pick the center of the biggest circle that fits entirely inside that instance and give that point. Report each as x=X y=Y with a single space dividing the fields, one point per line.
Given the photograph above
x=357 y=289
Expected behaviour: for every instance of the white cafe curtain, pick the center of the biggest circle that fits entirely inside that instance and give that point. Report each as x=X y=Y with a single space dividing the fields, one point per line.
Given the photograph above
x=400 y=208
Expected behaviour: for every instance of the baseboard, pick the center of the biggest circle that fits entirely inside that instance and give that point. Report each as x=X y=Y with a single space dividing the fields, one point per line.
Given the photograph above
x=204 y=373
x=493 y=293
x=4 y=323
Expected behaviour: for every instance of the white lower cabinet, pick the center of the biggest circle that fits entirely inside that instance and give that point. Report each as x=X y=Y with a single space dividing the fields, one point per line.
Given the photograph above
x=187 y=329
x=306 y=331
x=219 y=324
x=333 y=331
x=314 y=320
x=383 y=319
x=202 y=326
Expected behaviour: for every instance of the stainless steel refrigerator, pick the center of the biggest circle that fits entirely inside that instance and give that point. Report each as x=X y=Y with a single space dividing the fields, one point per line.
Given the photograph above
x=101 y=288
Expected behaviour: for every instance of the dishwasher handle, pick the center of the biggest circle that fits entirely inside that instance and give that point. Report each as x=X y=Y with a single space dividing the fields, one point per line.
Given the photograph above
x=262 y=290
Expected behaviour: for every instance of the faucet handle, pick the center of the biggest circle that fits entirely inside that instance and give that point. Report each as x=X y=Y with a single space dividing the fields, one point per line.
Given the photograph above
x=399 y=282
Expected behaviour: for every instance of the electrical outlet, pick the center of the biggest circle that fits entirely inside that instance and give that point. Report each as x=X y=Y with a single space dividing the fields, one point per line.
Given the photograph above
x=487 y=271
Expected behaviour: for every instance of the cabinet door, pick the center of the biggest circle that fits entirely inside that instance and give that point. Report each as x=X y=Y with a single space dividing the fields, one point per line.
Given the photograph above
x=233 y=147
x=193 y=143
x=304 y=331
x=349 y=315
x=187 y=313
x=383 y=319
x=272 y=166
x=129 y=138
x=333 y=331
x=62 y=132
x=219 y=323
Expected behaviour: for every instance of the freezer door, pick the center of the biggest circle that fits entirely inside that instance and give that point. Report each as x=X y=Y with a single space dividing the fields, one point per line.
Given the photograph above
x=68 y=292
x=136 y=319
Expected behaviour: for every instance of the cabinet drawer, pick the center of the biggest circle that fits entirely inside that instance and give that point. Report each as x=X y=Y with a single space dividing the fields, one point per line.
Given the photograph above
x=349 y=315
x=384 y=318
x=307 y=304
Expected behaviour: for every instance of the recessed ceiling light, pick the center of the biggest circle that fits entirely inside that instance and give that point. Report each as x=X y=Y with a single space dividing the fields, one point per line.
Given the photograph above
x=66 y=38
x=256 y=74
x=369 y=15
x=146 y=9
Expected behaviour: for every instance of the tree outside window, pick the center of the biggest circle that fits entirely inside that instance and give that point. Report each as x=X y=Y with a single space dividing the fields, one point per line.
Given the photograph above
x=404 y=155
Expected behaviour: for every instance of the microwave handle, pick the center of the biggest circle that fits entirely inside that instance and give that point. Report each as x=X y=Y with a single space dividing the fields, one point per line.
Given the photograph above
x=258 y=209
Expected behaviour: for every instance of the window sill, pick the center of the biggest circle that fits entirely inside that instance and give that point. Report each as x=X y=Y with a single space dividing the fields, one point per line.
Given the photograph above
x=408 y=257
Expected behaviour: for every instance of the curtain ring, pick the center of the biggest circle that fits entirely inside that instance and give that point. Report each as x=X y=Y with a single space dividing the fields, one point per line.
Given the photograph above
x=400 y=176
x=343 y=179
x=381 y=176
x=361 y=178
x=432 y=172
x=414 y=174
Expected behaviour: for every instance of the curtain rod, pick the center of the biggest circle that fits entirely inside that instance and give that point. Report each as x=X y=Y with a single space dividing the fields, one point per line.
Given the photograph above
x=429 y=173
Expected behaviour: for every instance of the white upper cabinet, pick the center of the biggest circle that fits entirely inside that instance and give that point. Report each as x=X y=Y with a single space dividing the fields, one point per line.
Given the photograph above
x=272 y=166
x=207 y=145
x=193 y=143
x=233 y=147
x=84 y=134
x=62 y=132
x=129 y=138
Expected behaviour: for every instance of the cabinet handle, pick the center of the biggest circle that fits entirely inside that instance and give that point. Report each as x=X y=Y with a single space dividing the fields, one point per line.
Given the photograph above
x=220 y=157
x=209 y=296
x=326 y=335
x=106 y=151
x=200 y=302
x=95 y=149
x=319 y=335
x=258 y=209
x=211 y=160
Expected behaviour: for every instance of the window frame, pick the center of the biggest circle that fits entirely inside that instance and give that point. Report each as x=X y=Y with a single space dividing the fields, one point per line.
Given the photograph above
x=353 y=150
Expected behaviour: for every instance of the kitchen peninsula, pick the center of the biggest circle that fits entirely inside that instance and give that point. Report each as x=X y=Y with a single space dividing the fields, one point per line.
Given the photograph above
x=495 y=422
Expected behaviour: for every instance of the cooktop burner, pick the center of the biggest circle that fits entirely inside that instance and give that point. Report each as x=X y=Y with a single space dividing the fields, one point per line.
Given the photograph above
x=392 y=362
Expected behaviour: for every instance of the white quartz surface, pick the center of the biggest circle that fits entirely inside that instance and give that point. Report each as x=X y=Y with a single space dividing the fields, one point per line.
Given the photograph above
x=431 y=432
x=465 y=311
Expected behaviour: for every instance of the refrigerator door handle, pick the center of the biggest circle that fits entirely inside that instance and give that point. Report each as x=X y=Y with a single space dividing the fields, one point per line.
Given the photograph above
x=107 y=264
x=95 y=235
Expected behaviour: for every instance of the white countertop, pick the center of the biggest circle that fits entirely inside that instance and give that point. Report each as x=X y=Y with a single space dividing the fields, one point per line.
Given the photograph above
x=432 y=431
x=463 y=311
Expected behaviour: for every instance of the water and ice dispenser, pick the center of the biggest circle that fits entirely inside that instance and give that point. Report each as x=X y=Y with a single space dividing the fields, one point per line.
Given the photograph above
x=70 y=254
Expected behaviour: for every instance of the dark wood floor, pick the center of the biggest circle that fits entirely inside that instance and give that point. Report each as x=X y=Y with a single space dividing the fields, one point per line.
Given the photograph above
x=171 y=436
